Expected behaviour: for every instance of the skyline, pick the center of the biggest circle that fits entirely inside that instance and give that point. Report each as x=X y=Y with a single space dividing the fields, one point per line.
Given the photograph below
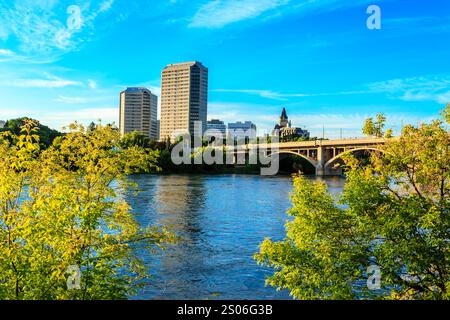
x=316 y=58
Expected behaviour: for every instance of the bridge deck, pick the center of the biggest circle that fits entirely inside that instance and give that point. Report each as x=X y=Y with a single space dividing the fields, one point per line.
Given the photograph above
x=320 y=143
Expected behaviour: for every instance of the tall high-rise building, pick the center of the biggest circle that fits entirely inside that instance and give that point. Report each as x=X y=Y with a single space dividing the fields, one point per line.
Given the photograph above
x=184 y=98
x=138 y=112
x=158 y=124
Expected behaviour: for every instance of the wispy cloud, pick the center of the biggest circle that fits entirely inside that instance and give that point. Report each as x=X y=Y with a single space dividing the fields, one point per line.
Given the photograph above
x=6 y=52
x=41 y=28
x=269 y=94
x=6 y=55
x=418 y=24
x=218 y=13
x=92 y=84
x=40 y=83
x=38 y=78
x=425 y=88
x=59 y=119
x=83 y=99
x=105 y=6
x=83 y=115
x=436 y=88
x=71 y=100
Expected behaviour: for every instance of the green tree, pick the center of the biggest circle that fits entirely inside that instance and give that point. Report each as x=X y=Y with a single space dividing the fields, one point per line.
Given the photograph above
x=379 y=125
x=394 y=213
x=64 y=207
x=375 y=128
x=446 y=113
x=46 y=135
x=369 y=127
x=389 y=134
x=151 y=148
x=92 y=126
x=135 y=138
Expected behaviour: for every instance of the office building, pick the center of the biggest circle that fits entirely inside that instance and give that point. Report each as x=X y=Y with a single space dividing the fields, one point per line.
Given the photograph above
x=184 y=99
x=245 y=131
x=216 y=127
x=138 y=112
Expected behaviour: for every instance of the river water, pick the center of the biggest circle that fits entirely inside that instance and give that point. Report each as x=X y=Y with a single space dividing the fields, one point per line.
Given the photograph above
x=221 y=220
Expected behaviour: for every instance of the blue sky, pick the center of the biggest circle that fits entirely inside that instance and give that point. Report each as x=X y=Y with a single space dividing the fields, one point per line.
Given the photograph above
x=317 y=58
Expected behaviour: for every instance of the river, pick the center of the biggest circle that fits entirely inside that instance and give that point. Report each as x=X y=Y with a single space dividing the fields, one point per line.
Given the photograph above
x=221 y=220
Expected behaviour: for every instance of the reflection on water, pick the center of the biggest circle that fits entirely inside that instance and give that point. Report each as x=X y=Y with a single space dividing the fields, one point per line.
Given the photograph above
x=221 y=220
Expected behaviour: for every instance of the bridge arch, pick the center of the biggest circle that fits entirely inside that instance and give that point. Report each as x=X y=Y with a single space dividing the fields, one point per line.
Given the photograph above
x=339 y=156
x=311 y=161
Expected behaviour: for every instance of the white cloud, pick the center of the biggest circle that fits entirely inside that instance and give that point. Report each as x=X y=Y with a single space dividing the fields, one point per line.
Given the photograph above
x=269 y=94
x=105 y=5
x=32 y=25
x=41 y=29
x=218 y=13
x=84 y=115
x=92 y=84
x=274 y=95
x=41 y=78
x=40 y=83
x=6 y=52
x=436 y=88
x=84 y=99
x=433 y=88
x=71 y=100
x=60 y=119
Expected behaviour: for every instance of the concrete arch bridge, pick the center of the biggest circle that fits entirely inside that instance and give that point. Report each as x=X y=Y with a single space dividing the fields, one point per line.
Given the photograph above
x=324 y=155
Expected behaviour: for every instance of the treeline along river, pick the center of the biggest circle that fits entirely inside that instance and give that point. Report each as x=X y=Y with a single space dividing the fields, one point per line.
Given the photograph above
x=221 y=220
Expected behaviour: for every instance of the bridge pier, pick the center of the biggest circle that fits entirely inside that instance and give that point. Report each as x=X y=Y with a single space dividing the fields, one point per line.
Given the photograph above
x=320 y=172
x=327 y=171
x=320 y=168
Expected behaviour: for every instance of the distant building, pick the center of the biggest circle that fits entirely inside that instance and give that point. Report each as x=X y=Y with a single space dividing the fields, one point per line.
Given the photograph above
x=285 y=130
x=2 y=124
x=184 y=98
x=242 y=131
x=138 y=112
x=216 y=127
